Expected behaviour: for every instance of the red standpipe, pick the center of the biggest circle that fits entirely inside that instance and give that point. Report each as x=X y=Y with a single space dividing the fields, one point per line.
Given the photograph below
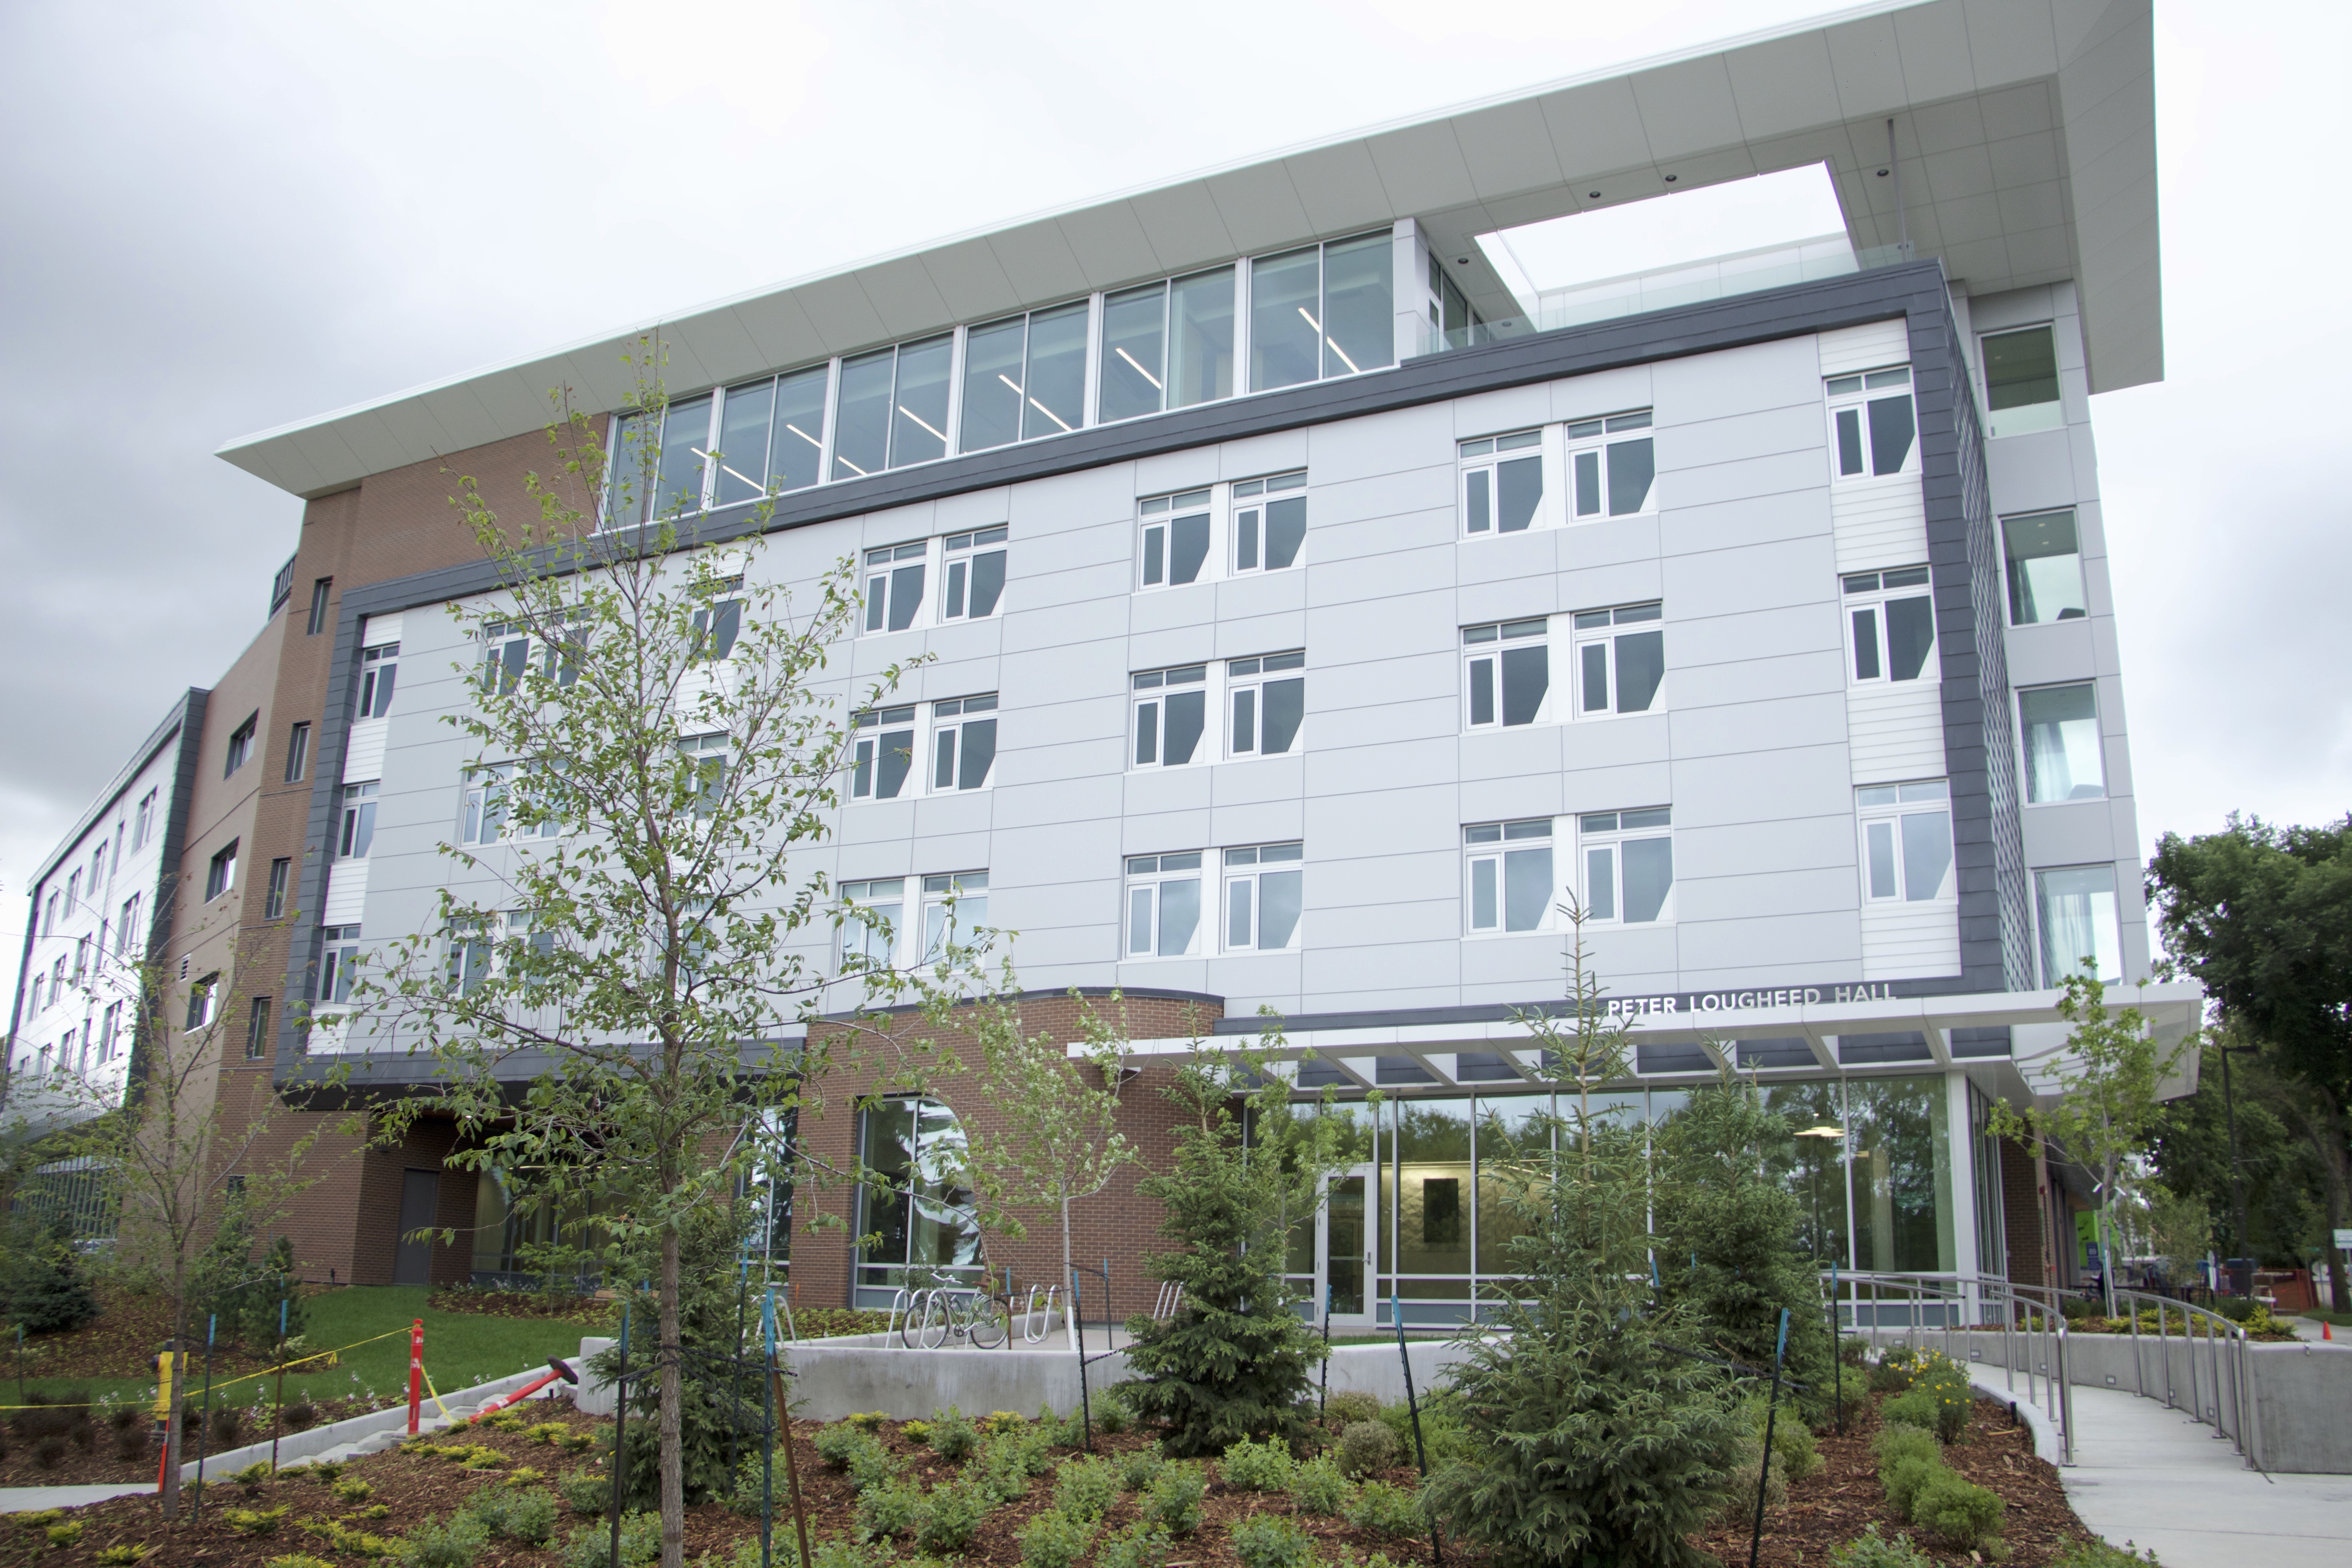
x=416 y=1372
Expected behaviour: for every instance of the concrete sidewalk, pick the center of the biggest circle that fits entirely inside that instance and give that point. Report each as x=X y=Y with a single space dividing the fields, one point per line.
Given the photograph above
x=2152 y=1475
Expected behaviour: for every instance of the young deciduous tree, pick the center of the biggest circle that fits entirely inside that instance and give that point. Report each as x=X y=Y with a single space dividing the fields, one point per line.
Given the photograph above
x=653 y=739
x=2106 y=1107
x=1060 y=1143
x=165 y=1153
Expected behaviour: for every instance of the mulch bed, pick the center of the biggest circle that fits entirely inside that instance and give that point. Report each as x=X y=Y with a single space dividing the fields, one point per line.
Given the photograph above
x=1823 y=1511
x=120 y=1342
x=590 y=1311
x=94 y=1452
x=1834 y=1504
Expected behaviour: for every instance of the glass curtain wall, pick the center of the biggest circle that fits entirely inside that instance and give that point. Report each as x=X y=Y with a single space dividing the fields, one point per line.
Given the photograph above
x=1899 y=1149
x=915 y=1220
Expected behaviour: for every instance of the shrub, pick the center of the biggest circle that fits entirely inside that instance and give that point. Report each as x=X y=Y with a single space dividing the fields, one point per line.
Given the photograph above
x=1054 y=1540
x=744 y=1498
x=130 y=1442
x=1740 y=1505
x=452 y=1543
x=916 y=1432
x=225 y=1430
x=1442 y=1437
x=997 y=1421
x=1349 y=1405
x=299 y=1559
x=1941 y=1384
x=1795 y=1455
x=1111 y=1415
x=1269 y=1541
x=2099 y=1554
x=889 y=1510
x=1256 y=1467
x=1087 y=1489
x=872 y=1464
x=954 y=1436
x=66 y=1534
x=589 y=1546
x=1139 y=1467
x=1905 y=1479
x=1136 y=1546
x=1384 y=1509
x=352 y=1490
x=256 y=1520
x=50 y=1452
x=517 y=1514
x=1173 y=1503
x=1869 y=1550
x=547 y=1431
x=1957 y=1513
x=950 y=1516
x=869 y=1420
x=585 y=1491
x=301 y=1416
x=1896 y=1441
x=1320 y=1486
x=1915 y=1409
x=42 y=1290
x=1365 y=1446
x=1892 y=1374
x=124 y=1555
x=1854 y=1350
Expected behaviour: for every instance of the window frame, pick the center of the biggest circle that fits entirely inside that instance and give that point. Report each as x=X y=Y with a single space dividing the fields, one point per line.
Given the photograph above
x=1658 y=826
x=256 y=1029
x=860 y=893
x=1488 y=845
x=298 y=751
x=1487 y=642
x=866 y=755
x=144 y=823
x=880 y=610
x=1155 y=557
x=338 y=954
x=1850 y=394
x=1478 y=465
x=2041 y=937
x=1603 y=636
x=379 y=673
x=220 y=873
x=1264 y=671
x=2025 y=750
x=960 y=555
x=355 y=815
x=953 y=717
x=281 y=873
x=1159 y=683
x=322 y=593
x=1893 y=807
x=970 y=892
x=1255 y=498
x=1855 y=601
x=2018 y=591
x=1247 y=866
x=1326 y=346
x=1027 y=408
x=1150 y=875
x=2022 y=419
x=204 y=1003
x=1592 y=437
x=240 y=744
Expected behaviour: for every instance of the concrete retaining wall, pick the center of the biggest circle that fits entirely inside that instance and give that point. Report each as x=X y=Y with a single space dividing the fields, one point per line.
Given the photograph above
x=832 y=1380
x=296 y=1446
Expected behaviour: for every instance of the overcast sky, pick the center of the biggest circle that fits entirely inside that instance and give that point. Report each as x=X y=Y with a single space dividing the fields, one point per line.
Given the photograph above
x=233 y=215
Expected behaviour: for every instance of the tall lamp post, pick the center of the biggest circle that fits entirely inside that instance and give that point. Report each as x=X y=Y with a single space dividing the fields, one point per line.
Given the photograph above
x=2237 y=1178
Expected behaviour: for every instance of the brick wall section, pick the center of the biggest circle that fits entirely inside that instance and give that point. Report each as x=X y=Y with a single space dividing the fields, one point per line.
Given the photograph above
x=2021 y=1208
x=1120 y=1222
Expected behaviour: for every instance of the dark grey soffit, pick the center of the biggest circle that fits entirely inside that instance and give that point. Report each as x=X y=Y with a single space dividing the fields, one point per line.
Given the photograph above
x=1916 y=291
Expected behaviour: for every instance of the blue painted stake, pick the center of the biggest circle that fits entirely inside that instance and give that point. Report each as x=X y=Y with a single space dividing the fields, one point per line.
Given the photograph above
x=1772 y=1413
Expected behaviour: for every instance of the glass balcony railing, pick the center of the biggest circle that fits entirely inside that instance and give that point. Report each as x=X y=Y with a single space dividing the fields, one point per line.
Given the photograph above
x=1717 y=278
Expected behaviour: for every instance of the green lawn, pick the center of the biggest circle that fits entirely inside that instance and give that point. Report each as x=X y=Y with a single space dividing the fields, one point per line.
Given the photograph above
x=460 y=1350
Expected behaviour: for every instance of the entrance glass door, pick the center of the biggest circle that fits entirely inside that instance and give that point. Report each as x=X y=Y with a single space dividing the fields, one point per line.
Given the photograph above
x=1346 y=1250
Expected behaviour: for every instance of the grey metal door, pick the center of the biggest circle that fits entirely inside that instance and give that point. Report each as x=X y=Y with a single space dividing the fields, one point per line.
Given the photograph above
x=420 y=1196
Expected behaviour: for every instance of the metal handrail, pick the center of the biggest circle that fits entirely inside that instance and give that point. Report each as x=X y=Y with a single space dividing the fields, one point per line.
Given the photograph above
x=2032 y=1324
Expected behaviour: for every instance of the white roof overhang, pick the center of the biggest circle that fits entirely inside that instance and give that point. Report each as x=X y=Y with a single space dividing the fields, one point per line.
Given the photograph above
x=2025 y=129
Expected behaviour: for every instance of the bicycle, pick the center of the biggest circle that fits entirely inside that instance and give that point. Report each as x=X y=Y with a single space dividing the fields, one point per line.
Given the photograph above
x=969 y=1313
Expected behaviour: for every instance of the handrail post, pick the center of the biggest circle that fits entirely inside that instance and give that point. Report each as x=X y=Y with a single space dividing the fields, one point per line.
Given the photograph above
x=2164 y=1348
x=2067 y=1402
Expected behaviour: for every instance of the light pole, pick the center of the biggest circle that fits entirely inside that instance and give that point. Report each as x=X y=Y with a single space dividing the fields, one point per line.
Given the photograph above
x=2237 y=1179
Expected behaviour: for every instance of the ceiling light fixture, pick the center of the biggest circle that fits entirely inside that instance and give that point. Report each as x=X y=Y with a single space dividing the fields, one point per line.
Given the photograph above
x=1593 y=195
x=1823 y=1131
x=1672 y=178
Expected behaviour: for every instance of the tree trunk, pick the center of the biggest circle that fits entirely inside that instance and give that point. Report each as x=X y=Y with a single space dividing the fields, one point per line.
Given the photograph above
x=2333 y=1180
x=673 y=1399
x=178 y=1403
x=1070 y=1278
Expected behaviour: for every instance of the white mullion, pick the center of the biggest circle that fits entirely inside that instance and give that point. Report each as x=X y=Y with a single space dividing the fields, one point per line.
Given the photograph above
x=830 y=422
x=1088 y=413
x=1241 y=275
x=955 y=386
x=711 y=445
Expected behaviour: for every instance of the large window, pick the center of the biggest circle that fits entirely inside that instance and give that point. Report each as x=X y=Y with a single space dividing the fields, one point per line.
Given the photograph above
x=884 y=753
x=1502 y=483
x=1263 y=892
x=906 y=587
x=356 y=830
x=220 y=875
x=1906 y=841
x=955 y=906
x=1172 y=712
x=1267 y=699
x=2075 y=908
x=1620 y=659
x=1163 y=905
x=1167 y=345
x=338 y=963
x=1628 y=865
x=892 y=408
x=2063 y=750
x=1323 y=310
x=1898 y=1143
x=1892 y=617
x=143 y=824
x=896 y=575
x=2044 y=558
x=916 y=1205
x=1508 y=882
x=1872 y=431
x=2020 y=382
x=1613 y=471
x=297 y=753
x=963 y=743
x=1506 y=673
x=240 y=745
x=1024 y=377
x=489 y=806
x=281 y=876
x=257 y=1030
x=874 y=915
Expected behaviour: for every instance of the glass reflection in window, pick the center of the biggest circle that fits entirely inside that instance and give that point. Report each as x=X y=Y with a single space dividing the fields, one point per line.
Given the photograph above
x=916 y=1221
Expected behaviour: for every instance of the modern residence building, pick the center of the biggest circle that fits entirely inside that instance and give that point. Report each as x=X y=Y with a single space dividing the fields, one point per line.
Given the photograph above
x=1316 y=607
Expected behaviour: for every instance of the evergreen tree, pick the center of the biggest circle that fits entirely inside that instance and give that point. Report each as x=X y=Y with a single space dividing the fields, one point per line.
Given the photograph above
x=41 y=1285
x=1235 y=1361
x=1592 y=1442
x=1728 y=1237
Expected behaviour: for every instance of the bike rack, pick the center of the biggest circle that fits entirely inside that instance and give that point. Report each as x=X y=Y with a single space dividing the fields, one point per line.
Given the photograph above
x=1036 y=1328
x=1169 y=1301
